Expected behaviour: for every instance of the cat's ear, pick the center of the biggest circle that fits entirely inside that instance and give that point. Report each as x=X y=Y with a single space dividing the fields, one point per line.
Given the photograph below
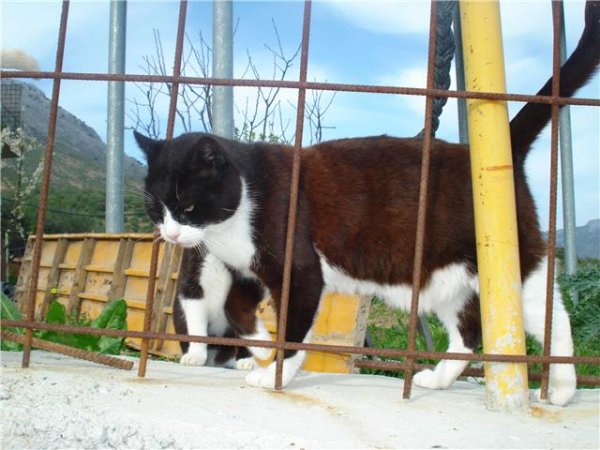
x=149 y=146
x=209 y=153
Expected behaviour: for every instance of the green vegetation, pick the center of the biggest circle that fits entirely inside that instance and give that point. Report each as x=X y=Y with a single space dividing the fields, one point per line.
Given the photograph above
x=113 y=316
x=389 y=328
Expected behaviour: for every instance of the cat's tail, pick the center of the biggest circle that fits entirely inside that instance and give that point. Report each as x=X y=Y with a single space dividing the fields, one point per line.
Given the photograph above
x=575 y=72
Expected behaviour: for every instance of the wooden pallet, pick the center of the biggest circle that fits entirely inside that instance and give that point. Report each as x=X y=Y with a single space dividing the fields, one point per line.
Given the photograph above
x=86 y=271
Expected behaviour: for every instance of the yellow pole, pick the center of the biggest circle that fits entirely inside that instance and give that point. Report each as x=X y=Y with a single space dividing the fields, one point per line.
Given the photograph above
x=494 y=204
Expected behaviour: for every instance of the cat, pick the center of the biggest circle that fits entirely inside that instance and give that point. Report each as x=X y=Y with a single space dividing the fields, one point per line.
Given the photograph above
x=203 y=285
x=355 y=230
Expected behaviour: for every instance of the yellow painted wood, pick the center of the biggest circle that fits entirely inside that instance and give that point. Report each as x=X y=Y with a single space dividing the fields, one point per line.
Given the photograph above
x=88 y=281
x=335 y=324
x=494 y=203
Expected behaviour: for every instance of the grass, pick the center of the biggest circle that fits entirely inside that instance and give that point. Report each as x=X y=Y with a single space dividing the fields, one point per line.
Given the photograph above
x=389 y=328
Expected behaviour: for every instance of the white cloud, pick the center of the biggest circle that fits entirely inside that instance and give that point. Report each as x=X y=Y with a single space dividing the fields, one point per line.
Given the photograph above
x=387 y=17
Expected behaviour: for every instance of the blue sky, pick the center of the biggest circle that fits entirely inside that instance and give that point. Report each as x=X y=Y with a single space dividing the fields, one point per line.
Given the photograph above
x=381 y=43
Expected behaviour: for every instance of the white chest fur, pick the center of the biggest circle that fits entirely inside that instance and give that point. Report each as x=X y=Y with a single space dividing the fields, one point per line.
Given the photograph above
x=231 y=240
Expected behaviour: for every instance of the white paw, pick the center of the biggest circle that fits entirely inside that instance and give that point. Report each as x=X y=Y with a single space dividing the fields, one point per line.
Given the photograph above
x=563 y=385
x=262 y=378
x=558 y=395
x=426 y=379
x=194 y=356
x=265 y=377
x=245 y=364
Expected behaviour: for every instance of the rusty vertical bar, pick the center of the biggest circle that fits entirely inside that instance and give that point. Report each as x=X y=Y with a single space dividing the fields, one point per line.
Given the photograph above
x=423 y=188
x=156 y=242
x=556 y=26
x=291 y=224
x=45 y=183
x=177 y=68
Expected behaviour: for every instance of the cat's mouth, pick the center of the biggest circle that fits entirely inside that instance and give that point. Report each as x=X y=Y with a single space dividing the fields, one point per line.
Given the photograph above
x=179 y=237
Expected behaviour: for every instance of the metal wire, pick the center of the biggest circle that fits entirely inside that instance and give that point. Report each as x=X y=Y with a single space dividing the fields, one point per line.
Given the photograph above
x=302 y=85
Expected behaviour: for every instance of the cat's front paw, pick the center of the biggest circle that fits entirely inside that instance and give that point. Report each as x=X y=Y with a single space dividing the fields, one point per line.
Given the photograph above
x=245 y=363
x=262 y=378
x=195 y=356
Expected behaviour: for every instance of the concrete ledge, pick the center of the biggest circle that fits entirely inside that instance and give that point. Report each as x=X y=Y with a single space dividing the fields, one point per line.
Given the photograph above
x=61 y=402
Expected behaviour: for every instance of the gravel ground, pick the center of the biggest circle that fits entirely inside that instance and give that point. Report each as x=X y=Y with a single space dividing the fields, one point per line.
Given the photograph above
x=61 y=403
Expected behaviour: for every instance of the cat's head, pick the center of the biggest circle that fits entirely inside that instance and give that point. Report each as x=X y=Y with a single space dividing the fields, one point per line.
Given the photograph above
x=191 y=184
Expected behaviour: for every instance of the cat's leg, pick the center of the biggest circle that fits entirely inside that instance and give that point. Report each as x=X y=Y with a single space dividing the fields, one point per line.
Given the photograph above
x=562 y=376
x=202 y=291
x=462 y=322
x=305 y=295
x=196 y=318
x=240 y=308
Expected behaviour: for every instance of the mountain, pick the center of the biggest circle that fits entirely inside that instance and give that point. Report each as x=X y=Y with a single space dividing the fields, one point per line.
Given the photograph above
x=78 y=177
x=587 y=239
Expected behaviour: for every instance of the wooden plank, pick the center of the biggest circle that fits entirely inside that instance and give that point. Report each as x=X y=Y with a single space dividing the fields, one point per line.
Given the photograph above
x=97 y=268
x=53 y=276
x=23 y=283
x=80 y=277
x=123 y=260
x=161 y=284
x=162 y=317
x=137 y=273
x=92 y=296
x=99 y=236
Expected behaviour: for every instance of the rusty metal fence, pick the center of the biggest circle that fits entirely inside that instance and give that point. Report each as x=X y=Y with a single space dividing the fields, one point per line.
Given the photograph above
x=302 y=85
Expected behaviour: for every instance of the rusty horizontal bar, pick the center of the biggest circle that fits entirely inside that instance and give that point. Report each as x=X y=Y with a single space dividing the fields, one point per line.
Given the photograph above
x=389 y=353
x=70 y=351
x=309 y=85
x=468 y=372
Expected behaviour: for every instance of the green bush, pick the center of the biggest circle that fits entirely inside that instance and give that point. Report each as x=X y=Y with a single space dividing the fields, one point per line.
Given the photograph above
x=113 y=316
x=389 y=328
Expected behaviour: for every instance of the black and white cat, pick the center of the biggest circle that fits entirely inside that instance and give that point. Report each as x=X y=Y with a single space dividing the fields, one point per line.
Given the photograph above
x=355 y=230
x=203 y=286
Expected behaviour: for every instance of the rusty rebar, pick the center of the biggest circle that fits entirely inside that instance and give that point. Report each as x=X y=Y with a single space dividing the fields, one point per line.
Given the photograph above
x=397 y=366
x=382 y=352
x=150 y=293
x=308 y=85
x=293 y=206
x=70 y=351
x=422 y=211
x=45 y=183
x=557 y=9
x=302 y=85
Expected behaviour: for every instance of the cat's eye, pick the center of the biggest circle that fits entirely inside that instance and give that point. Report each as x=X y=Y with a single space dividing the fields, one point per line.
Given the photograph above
x=189 y=209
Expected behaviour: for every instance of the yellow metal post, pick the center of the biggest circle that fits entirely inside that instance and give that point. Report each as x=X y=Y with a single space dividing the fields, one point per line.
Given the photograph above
x=494 y=203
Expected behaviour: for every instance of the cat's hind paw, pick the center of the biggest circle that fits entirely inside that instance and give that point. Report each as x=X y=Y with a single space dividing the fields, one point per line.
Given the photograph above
x=261 y=378
x=432 y=379
x=558 y=395
x=426 y=379
x=265 y=377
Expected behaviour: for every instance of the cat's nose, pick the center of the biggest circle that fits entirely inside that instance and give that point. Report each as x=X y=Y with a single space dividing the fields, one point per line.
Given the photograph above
x=171 y=235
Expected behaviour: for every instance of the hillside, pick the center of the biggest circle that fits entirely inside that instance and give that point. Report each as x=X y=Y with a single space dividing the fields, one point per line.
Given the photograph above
x=587 y=239
x=78 y=171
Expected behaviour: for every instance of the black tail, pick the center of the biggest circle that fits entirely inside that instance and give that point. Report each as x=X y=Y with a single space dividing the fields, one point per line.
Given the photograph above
x=575 y=72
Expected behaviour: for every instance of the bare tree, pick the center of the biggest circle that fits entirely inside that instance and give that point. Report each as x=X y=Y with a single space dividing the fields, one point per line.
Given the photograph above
x=13 y=216
x=263 y=115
